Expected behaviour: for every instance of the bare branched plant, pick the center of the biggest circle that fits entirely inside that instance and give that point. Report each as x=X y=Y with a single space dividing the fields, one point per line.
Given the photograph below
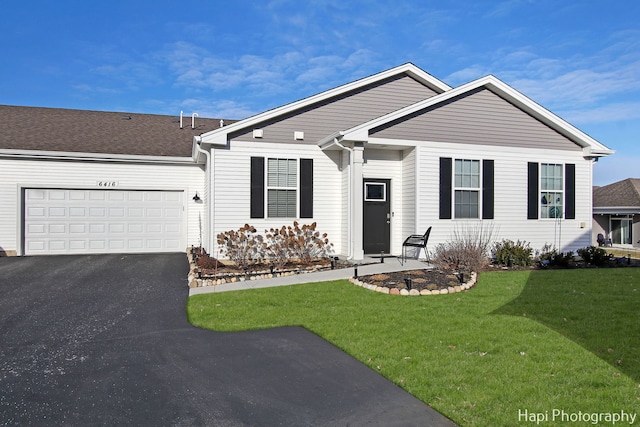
x=468 y=249
x=301 y=243
x=244 y=246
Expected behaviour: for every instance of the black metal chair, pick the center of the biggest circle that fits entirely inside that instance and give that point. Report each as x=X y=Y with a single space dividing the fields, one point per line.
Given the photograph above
x=602 y=241
x=416 y=241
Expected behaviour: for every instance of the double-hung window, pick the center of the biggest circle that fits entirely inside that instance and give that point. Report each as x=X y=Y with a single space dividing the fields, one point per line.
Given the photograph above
x=282 y=188
x=467 y=188
x=551 y=190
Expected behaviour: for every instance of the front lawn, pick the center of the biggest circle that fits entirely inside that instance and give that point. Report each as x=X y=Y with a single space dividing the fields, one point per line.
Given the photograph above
x=520 y=341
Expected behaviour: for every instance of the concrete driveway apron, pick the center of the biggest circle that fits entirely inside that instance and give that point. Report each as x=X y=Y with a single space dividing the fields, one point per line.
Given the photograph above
x=104 y=340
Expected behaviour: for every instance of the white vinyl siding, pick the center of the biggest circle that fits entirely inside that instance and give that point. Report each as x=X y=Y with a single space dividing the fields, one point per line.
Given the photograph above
x=510 y=199
x=16 y=175
x=231 y=202
x=409 y=188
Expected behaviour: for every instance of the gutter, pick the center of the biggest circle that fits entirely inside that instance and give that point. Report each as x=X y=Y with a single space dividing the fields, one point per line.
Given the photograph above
x=208 y=172
x=96 y=157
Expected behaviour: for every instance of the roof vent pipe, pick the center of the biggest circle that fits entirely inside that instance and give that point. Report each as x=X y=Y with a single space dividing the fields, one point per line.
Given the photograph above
x=193 y=120
x=180 y=119
x=221 y=123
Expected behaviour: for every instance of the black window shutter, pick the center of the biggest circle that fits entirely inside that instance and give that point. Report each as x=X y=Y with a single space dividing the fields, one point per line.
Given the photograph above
x=570 y=191
x=445 y=187
x=306 y=188
x=257 y=187
x=487 y=189
x=532 y=191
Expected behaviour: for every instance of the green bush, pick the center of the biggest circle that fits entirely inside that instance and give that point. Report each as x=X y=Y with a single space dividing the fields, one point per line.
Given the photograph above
x=515 y=253
x=594 y=255
x=550 y=257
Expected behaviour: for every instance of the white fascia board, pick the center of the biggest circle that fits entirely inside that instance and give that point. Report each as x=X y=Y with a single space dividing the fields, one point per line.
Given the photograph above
x=220 y=136
x=99 y=157
x=361 y=132
x=547 y=117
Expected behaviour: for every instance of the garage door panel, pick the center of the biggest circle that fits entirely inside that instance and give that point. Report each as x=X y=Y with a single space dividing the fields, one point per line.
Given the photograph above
x=102 y=221
x=57 y=228
x=77 y=228
x=77 y=212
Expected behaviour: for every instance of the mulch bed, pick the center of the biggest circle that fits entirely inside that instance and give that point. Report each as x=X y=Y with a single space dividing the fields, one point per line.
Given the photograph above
x=420 y=280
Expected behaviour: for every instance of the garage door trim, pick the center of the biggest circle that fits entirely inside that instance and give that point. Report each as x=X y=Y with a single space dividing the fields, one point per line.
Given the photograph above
x=177 y=242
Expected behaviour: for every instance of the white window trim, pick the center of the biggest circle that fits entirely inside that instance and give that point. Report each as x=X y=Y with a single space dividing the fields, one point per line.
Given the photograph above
x=541 y=190
x=454 y=188
x=267 y=187
x=384 y=191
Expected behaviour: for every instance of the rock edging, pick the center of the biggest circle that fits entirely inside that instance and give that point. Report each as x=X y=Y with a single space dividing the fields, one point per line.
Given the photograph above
x=414 y=292
x=195 y=280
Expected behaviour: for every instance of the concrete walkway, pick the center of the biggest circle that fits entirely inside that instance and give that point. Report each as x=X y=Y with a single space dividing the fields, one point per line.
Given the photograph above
x=370 y=266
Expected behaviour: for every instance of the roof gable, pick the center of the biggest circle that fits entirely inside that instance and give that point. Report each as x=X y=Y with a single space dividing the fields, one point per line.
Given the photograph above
x=475 y=117
x=221 y=136
x=590 y=146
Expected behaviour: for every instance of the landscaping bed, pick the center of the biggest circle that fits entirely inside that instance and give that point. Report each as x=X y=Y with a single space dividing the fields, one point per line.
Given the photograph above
x=208 y=271
x=417 y=282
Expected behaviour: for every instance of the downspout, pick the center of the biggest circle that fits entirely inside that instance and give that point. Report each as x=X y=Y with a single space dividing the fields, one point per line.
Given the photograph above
x=350 y=204
x=208 y=173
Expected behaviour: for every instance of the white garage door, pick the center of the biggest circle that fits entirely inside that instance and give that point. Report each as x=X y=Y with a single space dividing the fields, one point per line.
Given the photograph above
x=64 y=221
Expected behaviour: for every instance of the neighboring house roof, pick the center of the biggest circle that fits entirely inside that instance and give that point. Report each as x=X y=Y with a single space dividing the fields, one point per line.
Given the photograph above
x=222 y=136
x=620 y=197
x=590 y=146
x=24 y=130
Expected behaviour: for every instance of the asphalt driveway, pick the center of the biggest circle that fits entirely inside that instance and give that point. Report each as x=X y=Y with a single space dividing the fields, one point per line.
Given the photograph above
x=104 y=340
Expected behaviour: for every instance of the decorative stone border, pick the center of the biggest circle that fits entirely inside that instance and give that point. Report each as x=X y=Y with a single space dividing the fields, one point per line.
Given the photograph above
x=414 y=292
x=195 y=281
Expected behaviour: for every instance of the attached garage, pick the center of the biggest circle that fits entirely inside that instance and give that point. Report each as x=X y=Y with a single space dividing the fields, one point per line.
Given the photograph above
x=81 y=221
x=93 y=182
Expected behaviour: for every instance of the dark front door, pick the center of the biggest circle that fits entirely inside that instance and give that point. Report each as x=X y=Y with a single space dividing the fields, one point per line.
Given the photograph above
x=377 y=216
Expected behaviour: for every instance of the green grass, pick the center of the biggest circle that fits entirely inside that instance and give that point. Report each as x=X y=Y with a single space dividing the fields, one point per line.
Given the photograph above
x=527 y=340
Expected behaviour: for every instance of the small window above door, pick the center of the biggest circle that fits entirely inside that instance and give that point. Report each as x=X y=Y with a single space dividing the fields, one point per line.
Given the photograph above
x=375 y=192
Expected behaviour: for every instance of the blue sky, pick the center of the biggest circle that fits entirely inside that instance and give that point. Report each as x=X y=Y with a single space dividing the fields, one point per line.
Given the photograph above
x=232 y=59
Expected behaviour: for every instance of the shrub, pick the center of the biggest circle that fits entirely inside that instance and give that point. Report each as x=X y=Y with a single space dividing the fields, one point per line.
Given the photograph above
x=518 y=253
x=244 y=247
x=549 y=256
x=594 y=255
x=467 y=250
x=303 y=243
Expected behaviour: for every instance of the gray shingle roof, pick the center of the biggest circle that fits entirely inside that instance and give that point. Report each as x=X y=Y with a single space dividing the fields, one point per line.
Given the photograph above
x=625 y=193
x=56 y=129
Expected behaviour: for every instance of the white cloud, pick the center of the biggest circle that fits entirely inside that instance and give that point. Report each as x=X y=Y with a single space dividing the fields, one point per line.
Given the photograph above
x=613 y=112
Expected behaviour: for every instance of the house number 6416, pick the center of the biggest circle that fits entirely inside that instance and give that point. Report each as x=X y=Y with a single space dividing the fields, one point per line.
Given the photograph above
x=107 y=183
